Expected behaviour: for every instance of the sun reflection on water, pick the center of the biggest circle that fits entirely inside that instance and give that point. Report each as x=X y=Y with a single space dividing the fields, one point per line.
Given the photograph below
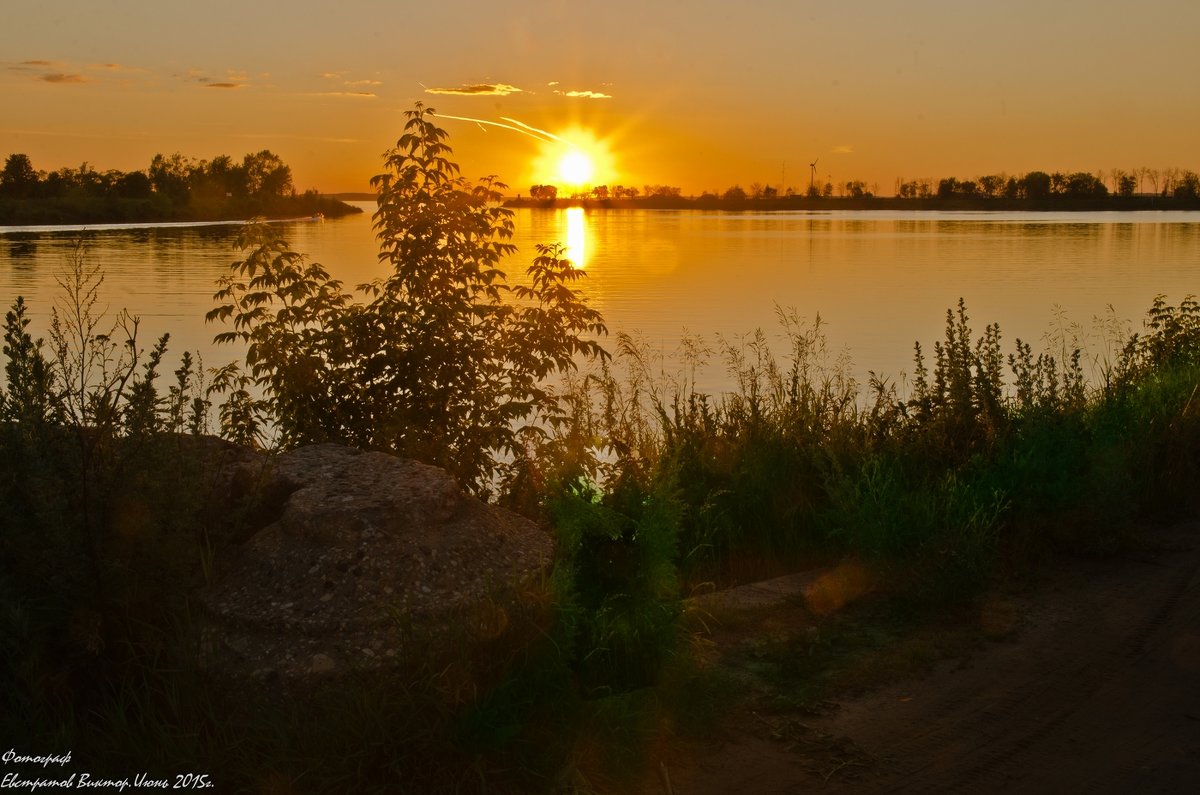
x=577 y=237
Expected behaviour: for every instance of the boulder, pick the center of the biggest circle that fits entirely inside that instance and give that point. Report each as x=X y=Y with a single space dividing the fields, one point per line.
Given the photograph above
x=351 y=550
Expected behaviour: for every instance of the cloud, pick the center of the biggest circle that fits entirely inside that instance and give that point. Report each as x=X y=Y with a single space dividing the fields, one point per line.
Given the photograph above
x=59 y=77
x=294 y=137
x=844 y=149
x=478 y=90
x=584 y=94
x=114 y=67
x=37 y=63
x=234 y=79
x=363 y=83
x=354 y=94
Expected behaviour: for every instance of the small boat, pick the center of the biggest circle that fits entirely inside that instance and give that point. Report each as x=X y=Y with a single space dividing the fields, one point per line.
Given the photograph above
x=317 y=217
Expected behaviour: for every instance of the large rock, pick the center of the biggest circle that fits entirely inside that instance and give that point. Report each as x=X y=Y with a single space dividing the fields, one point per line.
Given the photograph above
x=353 y=548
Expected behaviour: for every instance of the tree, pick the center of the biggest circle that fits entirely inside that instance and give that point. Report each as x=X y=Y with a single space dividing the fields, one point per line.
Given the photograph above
x=133 y=185
x=267 y=174
x=435 y=364
x=18 y=179
x=991 y=185
x=220 y=178
x=1082 y=185
x=857 y=189
x=170 y=176
x=1187 y=186
x=1035 y=185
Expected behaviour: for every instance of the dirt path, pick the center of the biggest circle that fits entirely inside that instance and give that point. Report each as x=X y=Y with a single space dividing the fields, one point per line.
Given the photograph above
x=1097 y=691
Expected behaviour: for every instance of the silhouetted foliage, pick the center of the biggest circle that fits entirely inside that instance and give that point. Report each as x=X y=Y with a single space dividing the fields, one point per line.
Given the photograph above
x=18 y=179
x=440 y=363
x=1187 y=186
x=173 y=188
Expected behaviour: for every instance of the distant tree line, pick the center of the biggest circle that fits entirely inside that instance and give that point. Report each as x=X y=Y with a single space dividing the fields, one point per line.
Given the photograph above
x=1118 y=189
x=1039 y=186
x=173 y=187
x=605 y=192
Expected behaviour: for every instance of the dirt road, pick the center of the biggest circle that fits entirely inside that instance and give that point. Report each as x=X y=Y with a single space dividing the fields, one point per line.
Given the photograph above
x=1098 y=691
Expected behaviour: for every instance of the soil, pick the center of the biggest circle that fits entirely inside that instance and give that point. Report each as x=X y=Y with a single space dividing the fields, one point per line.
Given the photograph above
x=1093 y=687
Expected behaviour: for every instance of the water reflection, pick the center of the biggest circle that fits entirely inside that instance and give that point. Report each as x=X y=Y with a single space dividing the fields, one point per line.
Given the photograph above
x=879 y=282
x=577 y=236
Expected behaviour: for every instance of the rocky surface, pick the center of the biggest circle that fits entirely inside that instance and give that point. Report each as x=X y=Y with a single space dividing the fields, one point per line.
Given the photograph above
x=345 y=549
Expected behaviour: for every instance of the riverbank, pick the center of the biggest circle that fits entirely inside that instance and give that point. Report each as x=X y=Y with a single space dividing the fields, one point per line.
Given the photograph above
x=1139 y=203
x=74 y=210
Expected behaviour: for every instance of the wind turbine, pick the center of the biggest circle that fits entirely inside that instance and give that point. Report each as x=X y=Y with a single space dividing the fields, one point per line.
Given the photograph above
x=812 y=177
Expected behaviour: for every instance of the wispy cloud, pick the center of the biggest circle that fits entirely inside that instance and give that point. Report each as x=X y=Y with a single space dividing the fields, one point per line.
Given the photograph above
x=844 y=149
x=584 y=94
x=352 y=94
x=74 y=73
x=478 y=90
x=295 y=137
x=115 y=67
x=59 y=77
x=233 y=80
x=351 y=84
x=38 y=70
x=76 y=133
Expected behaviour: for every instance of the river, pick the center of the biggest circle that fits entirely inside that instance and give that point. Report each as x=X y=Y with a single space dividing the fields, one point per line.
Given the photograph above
x=879 y=281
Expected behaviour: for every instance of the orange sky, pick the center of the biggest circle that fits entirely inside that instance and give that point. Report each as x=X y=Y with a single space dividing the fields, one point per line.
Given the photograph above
x=698 y=94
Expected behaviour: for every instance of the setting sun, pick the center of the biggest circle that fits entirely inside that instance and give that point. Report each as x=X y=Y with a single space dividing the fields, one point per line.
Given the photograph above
x=575 y=168
x=575 y=158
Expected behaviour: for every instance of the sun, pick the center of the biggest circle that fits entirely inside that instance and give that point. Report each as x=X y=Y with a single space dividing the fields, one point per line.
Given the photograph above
x=575 y=168
x=575 y=159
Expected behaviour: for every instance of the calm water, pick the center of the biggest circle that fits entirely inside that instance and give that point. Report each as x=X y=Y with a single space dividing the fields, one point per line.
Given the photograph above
x=879 y=281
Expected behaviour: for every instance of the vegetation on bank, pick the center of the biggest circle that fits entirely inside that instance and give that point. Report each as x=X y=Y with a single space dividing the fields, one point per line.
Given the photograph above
x=743 y=201
x=1170 y=189
x=996 y=458
x=173 y=188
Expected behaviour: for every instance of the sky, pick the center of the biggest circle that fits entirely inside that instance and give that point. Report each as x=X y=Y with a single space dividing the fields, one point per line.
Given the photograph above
x=702 y=95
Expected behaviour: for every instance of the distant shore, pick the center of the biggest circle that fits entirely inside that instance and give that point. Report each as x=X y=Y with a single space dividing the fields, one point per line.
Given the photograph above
x=827 y=203
x=74 y=210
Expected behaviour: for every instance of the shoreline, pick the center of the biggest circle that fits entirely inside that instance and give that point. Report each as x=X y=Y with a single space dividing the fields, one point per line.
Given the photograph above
x=865 y=203
x=17 y=229
x=40 y=215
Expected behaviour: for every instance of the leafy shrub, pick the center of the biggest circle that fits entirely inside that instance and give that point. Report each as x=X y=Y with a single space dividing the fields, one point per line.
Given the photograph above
x=443 y=361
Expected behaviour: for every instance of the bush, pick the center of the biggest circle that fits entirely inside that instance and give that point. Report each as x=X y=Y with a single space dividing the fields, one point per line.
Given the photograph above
x=443 y=361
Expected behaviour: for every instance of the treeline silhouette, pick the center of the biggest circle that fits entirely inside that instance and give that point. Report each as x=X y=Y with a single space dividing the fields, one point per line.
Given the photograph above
x=172 y=188
x=1118 y=189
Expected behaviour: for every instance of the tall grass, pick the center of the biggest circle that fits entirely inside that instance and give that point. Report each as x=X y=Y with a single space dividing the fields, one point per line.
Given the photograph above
x=989 y=460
